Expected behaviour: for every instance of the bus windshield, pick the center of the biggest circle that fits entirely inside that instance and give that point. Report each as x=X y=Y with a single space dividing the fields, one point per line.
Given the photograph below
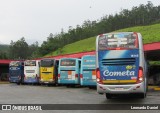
x=47 y=63
x=14 y=63
x=68 y=62
x=118 y=40
x=30 y=63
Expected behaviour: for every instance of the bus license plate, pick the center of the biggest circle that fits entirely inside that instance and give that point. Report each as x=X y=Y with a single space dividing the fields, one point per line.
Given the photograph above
x=119 y=88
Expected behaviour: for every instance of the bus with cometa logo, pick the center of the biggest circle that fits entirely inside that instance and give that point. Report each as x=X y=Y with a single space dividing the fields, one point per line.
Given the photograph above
x=48 y=71
x=120 y=64
x=31 y=71
x=88 y=71
x=69 y=71
x=16 y=72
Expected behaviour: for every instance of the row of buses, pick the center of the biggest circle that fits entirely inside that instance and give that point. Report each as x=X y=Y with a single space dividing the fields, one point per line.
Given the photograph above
x=66 y=71
x=118 y=68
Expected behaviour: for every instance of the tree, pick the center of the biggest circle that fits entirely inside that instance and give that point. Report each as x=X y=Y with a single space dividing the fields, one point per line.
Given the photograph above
x=19 y=49
x=139 y=15
x=3 y=55
x=33 y=50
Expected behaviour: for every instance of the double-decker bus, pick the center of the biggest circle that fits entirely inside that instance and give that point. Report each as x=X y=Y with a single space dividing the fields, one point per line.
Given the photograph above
x=69 y=71
x=48 y=71
x=88 y=71
x=31 y=71
x=16 y=72
x=120 y=64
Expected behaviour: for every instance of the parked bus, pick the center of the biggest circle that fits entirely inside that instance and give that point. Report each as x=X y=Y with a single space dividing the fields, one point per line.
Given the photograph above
x=16 y=72
x=31 y=71
x=48 y=71
x=120 y=64
x=69 y=71
x=88 y=71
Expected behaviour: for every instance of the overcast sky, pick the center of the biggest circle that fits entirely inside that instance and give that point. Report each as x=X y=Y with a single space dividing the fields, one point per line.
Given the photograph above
x=36 y=19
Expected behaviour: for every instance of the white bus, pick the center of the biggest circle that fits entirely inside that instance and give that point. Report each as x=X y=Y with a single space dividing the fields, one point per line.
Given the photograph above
x=31 y=71
x=120 y=64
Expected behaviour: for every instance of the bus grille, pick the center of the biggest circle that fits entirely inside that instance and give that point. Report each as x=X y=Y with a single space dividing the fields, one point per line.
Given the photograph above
x=119 y=61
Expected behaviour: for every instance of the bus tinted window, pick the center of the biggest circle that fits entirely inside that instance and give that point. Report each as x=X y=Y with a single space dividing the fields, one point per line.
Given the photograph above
x=89 y=63
x=68 y=62
x=117 y=40
x=30 y=63
x=15 y=63
x=47 y=63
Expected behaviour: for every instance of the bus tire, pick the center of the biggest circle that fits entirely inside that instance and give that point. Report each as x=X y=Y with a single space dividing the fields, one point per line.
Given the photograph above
x=142 y=95
x=108 y=96
x=18 y=83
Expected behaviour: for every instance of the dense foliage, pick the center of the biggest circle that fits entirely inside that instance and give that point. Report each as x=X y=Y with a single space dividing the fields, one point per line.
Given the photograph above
x=4 y=51
x=21 y=50
x=142 y=15
x=150 y=33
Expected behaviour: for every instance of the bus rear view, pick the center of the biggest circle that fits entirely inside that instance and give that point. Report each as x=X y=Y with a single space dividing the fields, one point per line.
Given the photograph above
x=48 y=71
x=88 y=71
x=31 y=71
x=69 y=71
x=120 y=64
x=16 y=72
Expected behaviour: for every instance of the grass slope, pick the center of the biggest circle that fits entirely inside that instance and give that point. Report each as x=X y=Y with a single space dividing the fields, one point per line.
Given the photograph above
x=150 y=34
x=79 y=46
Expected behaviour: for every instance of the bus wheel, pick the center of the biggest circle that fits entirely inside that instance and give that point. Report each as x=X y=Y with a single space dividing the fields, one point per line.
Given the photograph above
x=108 y=96
x=22 y=83
x=55 y=85
x=18 y=83
x=142 y=95
x=90 y=87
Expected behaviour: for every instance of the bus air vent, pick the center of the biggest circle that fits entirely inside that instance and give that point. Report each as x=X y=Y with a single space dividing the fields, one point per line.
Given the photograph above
x=119 y=61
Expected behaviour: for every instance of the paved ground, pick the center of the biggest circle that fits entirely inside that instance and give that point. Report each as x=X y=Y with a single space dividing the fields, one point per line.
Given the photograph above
x=31 y=94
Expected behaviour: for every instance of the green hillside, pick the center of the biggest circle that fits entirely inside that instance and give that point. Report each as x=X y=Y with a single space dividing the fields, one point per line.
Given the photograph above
x=79 y=46
x=150 y=34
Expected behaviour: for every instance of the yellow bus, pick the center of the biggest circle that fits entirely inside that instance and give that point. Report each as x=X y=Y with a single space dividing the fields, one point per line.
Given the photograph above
x=48 y=71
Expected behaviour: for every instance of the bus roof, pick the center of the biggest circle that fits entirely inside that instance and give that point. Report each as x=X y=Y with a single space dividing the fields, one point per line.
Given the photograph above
x=69 y=58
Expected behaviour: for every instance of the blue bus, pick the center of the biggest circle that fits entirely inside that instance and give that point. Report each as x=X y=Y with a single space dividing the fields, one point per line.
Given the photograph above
x=16 y=72
x=120 y=64
x=31 y=71
x=88 y=71
x=69 y=71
